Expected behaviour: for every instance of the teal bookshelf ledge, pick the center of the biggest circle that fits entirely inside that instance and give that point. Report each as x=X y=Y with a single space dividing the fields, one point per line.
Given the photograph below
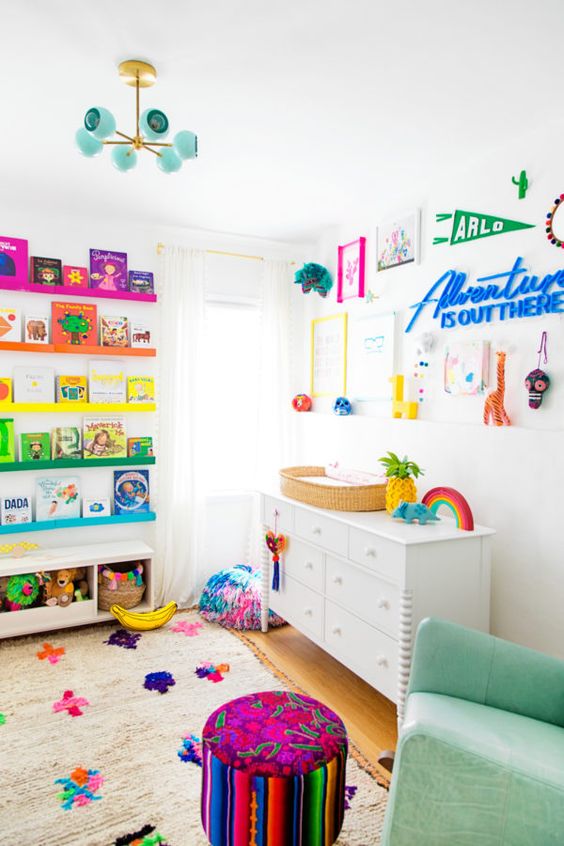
x=60 y=463
x=47 y=525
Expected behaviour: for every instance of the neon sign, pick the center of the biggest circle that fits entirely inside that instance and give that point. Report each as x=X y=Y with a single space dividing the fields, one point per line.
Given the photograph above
x=502 y=296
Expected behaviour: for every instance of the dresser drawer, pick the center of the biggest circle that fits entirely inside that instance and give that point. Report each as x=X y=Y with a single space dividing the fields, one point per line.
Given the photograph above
x=299 y=605
x=365 y=595
x=304 y=563
x=368 y=652
x=378 y=554
x=328 y=533
x=285 y=519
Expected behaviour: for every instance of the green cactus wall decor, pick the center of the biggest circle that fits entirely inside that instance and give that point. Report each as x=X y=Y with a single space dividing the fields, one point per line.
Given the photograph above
x=522 y=183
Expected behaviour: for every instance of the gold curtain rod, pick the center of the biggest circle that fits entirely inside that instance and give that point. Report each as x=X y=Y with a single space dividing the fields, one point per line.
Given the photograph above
x=161 y=246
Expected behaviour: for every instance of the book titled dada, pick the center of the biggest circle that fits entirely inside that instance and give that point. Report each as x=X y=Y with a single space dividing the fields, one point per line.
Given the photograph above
x=15 y=509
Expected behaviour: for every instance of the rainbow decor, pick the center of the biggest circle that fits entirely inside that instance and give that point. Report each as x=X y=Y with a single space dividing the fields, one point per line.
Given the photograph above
x=454 y=500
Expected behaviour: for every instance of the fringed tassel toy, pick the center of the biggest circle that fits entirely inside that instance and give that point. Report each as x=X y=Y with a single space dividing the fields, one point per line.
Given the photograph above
x=276 y=544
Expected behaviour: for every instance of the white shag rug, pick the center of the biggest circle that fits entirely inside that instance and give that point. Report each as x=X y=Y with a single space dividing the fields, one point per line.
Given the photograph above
x=130 y=734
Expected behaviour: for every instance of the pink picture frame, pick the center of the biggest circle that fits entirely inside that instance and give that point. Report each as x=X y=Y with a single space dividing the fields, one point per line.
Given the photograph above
x=351 y=269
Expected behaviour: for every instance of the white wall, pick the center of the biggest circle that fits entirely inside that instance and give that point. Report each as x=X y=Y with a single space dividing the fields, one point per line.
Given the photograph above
x=512 y=477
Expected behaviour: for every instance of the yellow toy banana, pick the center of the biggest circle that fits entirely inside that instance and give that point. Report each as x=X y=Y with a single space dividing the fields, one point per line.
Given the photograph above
x=144 y=621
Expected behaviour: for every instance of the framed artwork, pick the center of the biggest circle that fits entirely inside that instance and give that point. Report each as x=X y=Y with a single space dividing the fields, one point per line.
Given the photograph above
x=397 y=242
x=351 y=267
x=467 y=366
x=329 y=356
x=370 y=357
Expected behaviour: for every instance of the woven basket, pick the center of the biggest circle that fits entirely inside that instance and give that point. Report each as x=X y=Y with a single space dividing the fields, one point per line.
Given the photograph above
x=334 y=497
x=128 y=594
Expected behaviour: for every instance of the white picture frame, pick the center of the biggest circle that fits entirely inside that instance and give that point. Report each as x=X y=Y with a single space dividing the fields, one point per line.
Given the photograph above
x=397 y=241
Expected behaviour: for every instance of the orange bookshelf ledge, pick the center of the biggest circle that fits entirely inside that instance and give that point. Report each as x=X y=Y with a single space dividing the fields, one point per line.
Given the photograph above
x=78 y=349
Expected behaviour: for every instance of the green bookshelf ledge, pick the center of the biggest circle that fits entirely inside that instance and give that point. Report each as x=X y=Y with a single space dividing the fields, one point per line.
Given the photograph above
x=60 y=463
x=47 y=525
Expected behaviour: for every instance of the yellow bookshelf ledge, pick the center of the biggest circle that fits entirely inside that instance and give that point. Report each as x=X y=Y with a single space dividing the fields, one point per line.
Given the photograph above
x=77 y=407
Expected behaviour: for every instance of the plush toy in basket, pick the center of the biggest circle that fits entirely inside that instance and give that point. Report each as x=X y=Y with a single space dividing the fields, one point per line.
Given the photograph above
x=120 y=584
x=232 y=599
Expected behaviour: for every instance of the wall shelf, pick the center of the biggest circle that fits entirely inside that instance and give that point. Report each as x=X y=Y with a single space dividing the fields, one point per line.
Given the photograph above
x=78 y=349
x=76 y=407
x=47 y=525
x=60 y=463
x=69 y=291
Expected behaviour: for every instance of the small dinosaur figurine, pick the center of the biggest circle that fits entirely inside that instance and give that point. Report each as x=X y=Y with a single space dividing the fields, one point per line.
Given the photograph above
x=410 y=511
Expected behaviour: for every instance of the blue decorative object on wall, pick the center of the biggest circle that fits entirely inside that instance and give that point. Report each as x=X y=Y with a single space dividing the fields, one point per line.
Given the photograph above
x=342 y=407
x=314 y=277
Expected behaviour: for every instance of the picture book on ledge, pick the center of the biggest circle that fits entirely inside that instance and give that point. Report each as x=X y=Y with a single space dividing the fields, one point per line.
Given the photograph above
x=74 y=323
x=45 y=271
x=72 y=389
x=140 y=389
x=131 y=491
x=34 y=384
x=104 y=437
x=140 y=446
x=36 y=329
x=108 y=270
x=13 y=260
x=15 y=508
x=10 y=324
x=106 y=382
x=114 y=331
x=140 y=335
x=57 y=498
x=141 y=282
x=35 y=446
x=99 y=507
x=65 y=443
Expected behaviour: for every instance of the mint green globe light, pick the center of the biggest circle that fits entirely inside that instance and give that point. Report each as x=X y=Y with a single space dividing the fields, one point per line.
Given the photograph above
x=151 y=128
x=124 y=158
x=87 y=144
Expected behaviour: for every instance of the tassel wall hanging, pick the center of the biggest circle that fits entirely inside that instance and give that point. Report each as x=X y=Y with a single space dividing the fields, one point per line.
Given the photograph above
x=537 y=382
x=276 y=544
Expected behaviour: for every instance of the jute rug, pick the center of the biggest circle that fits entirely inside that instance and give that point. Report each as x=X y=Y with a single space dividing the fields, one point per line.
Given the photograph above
x=118 y=756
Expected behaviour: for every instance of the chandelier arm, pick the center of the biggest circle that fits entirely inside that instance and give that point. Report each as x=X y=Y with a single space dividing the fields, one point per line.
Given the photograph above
x=150 y=149
x=158 y=144
x=126 y=143
x=137 y=105
x=123 y=135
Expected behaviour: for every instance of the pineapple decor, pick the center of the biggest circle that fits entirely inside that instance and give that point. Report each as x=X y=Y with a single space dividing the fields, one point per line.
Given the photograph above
x=400 y=487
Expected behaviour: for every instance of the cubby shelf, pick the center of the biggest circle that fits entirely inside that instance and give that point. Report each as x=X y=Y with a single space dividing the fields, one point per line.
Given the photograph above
x=76 y=407
x=68 y=291
x=47 y=525
x=60 y=463
x=78 y=349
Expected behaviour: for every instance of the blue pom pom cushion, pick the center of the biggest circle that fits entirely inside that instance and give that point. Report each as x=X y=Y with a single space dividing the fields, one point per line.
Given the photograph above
x=232 y=599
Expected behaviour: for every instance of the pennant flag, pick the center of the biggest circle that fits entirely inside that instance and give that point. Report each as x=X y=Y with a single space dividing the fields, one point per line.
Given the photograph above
x=470 y=226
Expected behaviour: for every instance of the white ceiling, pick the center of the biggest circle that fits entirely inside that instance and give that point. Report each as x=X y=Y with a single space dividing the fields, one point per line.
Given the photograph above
x=306 y=110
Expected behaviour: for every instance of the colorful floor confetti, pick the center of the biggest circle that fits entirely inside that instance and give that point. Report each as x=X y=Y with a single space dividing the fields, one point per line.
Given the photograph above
x=191 y=750
x=71 y=703
x=123 y=638
x=50 y=653
x=160 y=681
x=80 y=788
x=211 y=672
x=189 y=629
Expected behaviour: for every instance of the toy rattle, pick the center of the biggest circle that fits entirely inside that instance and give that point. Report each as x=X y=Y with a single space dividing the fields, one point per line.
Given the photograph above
x=276 y=544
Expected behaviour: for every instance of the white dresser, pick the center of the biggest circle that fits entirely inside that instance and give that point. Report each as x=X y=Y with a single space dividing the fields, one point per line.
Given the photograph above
x=358 y=584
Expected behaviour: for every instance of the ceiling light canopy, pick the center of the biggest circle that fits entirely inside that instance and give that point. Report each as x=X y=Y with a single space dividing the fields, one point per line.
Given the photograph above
x=151 y=128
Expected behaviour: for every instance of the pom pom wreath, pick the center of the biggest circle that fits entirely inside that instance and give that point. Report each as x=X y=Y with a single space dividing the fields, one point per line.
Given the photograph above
x=191 y=750
x=120 y=637
x=232 y=599
x=314 y=277
x=160 y=681
x=22 y=591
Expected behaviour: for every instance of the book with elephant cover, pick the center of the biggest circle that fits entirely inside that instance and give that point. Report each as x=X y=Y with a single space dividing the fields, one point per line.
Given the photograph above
x=57 y=498
x=36 y=329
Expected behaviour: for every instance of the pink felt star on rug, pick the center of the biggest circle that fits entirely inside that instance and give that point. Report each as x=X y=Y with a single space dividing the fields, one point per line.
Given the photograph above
x=71 y=703
x=53 y=655
x=189 y=629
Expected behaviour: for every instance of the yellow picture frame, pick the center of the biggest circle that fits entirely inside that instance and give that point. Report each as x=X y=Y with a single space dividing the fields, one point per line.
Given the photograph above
x=334 y=383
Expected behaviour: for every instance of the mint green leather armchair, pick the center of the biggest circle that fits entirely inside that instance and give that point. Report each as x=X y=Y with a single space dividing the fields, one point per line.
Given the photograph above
x=480 y=759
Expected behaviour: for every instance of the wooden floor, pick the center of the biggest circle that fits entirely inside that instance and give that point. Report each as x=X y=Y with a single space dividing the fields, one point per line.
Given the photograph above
x=370 y=717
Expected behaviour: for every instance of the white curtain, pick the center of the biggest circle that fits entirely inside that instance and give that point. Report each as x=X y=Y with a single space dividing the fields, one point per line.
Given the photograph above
x=180 y=508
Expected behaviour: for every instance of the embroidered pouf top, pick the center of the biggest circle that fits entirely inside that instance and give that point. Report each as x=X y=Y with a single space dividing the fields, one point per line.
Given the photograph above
x=273 y=772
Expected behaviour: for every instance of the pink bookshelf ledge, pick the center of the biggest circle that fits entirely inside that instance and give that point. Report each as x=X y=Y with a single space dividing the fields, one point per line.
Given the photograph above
x=69 y=291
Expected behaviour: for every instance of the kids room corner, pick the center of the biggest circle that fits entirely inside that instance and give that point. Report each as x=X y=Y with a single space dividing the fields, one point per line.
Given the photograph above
x=281 y=406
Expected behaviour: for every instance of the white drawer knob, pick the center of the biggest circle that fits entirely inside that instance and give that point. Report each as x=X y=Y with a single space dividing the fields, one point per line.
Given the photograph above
x=382 y=661
x=308 y=612
x=336 y=630
x=370 y=552
x=338 y=580
x=316 y=530
x=308 y=565
x=383 y=603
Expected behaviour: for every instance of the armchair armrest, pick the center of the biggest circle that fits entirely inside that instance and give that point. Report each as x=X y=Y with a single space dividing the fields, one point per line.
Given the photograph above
x=466 y=664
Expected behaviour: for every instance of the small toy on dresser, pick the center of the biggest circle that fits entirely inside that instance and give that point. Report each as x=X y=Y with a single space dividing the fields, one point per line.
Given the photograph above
x=400 y=486
x=410 y=511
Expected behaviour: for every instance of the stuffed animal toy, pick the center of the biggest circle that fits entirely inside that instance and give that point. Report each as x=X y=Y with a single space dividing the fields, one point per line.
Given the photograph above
x=60 y=589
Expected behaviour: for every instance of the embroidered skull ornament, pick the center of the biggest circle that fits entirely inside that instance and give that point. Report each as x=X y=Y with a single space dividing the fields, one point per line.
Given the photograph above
x=537 y=382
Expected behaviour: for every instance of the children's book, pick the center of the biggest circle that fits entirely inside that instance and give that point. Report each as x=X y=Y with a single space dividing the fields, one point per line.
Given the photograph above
x=75 y=277
x=15 y=508
x=114 y=331
x=108 y=270
x=72 y=389
x=141 y=282
x=35 y=446
x=57 y=498
x=13 y=260
x=99 y=507
x=106 y=381
x=140 y=389
x=36 y=329
x=140 y=335
x=65 y=442
x=75 y=323
x=46 y=271
x=104 y=437
x=131 y=491
x=7 y=440
x=139 y=446
x=10 y=324
x=34 y=384
x=6 y=393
